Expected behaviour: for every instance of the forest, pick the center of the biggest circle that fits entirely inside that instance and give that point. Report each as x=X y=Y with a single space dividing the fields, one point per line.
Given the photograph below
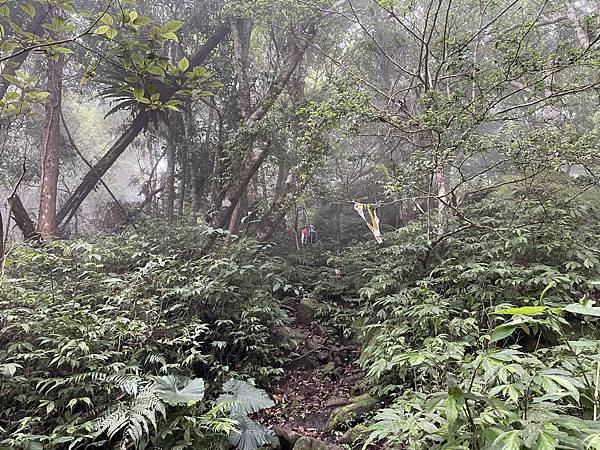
x=299 y=224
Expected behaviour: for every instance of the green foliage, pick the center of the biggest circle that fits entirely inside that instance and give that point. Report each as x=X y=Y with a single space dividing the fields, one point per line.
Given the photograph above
x=83 y=325
x=481 y=341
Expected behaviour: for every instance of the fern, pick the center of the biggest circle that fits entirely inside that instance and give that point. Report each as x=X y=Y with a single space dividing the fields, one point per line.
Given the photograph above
x=133 y=418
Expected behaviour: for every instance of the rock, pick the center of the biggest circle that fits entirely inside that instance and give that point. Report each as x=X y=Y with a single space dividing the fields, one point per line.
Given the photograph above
x=291 y=336
x=308 y=443
x=287 y=437
x=274 y=445
x=307 y=309
x=352 y=435
x=357 y=407
x=335 y=401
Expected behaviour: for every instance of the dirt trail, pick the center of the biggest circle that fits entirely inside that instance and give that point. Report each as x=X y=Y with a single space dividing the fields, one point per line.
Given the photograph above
x=322 y=379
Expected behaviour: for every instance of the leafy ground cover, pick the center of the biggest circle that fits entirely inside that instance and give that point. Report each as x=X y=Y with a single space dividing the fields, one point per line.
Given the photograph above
x=485 y=340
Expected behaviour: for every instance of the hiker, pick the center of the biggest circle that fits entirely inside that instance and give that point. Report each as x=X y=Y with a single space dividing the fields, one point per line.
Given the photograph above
x=304 y=236
x=312 y=233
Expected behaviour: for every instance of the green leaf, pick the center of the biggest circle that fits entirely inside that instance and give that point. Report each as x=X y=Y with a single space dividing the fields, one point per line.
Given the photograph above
x=156 y=70
x=64 y=50
x=586 y=310
x=523 y=310
x=171 y=27
x=545 y=441
x=502 y=332
x=138 y=93
x=107 y=19
x=9 y=370
x=452 y=409
x=102 y=29
x=246 y=399
x=184 y=64
x=250 y=435
x=179 y=390
x=170 y=36
x=29 y=9
x=508 y=440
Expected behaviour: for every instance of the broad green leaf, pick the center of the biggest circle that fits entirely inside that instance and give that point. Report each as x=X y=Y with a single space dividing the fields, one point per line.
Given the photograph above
x=102 y=29
x=170 y=36
x=29 y=9
x=250 y=435
x=9 y=370
x=502 y=332
x=107 y=19
x=138 y=93
x=585 y=310
x=156 y=70
x=171 y=27
x=245 y=398
x=451 y=408
x=545 y=441
x=179 y=390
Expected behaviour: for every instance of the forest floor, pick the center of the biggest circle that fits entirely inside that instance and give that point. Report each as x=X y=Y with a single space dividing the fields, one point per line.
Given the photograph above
x=318 y=385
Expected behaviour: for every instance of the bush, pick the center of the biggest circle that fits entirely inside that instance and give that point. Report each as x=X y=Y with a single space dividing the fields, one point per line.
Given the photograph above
x=86 y=324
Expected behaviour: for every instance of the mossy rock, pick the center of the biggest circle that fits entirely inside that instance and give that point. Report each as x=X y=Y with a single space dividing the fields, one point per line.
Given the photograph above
x=291 y=336
x=356 y=408
x=287 y=437
x=353 y=434
x=307 y=311
x=308 y=443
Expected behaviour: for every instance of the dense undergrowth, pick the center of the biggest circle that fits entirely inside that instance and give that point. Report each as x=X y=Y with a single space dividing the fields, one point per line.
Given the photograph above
x=486 y=340
x=86 y=327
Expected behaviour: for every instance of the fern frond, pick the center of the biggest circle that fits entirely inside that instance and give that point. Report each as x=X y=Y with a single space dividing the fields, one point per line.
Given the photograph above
x=133 y=418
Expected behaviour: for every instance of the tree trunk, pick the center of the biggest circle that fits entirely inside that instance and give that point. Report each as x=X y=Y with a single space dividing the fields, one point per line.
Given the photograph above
x=200 y=169
x=139 y=123
x=169 y=182
x=252 y=160
x=217 y=172
x=46 y=225
x=2 y=250
x=440 y=180
x=21 y=218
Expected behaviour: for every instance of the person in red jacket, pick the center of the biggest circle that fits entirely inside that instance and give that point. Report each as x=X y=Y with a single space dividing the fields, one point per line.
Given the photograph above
x=304 y=236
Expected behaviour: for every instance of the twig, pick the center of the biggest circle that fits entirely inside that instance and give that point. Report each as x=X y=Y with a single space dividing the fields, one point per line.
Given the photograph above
x=85 y=160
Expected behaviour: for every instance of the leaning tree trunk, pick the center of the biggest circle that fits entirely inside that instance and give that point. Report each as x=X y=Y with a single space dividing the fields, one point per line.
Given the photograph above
x=46 y=224
x=139 y=123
